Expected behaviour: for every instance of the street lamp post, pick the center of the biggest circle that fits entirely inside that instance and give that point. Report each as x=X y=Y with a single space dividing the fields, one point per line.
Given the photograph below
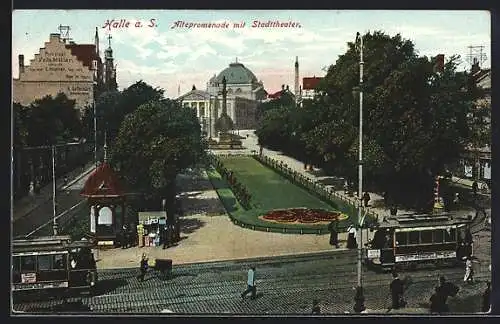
x=95 y=130
x=359 y=298
x=54 y=209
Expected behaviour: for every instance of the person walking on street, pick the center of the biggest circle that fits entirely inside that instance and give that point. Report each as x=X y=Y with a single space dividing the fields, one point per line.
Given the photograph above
x=315 y=308
x=351 y=238
x=445 y=290
x=143 y=267
x=366 y=198
x=250 y=283
x=334 y=234
x=438 y=301
x=397 y=290
x=486 y=305
x=469 y=271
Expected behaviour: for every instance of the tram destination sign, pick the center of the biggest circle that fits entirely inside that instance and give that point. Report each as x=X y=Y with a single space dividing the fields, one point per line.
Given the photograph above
x=426 y=256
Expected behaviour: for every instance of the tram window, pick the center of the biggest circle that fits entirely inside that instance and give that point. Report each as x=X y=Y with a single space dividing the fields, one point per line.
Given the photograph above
x=426 y=237
x=59 y=261
x=450 y=235
x=44 y=262
x=401 y=238
x=16 y=264
x=413 y=238
x=28 y=263
x=438 y=236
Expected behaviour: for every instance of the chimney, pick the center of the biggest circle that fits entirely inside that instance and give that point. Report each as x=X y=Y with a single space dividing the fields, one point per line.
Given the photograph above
x=21 y=64
x=475 y=66
x=194 y=88
x=439 y=67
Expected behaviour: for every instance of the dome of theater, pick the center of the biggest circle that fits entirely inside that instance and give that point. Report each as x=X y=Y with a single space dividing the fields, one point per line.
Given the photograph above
x=237 y=73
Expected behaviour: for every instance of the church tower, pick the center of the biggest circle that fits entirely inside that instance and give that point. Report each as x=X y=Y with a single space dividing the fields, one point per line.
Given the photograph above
x=109 y=69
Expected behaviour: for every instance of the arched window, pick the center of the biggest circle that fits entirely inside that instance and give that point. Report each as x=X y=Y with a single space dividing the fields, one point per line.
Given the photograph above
x=105 y=216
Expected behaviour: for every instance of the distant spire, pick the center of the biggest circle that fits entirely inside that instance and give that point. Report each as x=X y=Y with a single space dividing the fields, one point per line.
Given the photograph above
x=179 y=90
x=236 y=59
x=96 y=41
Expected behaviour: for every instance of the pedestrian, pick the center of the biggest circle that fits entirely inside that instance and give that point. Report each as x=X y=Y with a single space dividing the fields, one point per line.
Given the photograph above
x=397 y=290
x=438 y=301
x=468 y=240
x=469 y=271
x=446 y=289
x=315 y=307
x=123 y=237
x=394 y=210
x=143 y=267
x=65 y=180
x=366 y=198
x=486 y=306
x=250 y=283
x=351 y=237
x=346 y=187
x=475 y=188
x=334 y=235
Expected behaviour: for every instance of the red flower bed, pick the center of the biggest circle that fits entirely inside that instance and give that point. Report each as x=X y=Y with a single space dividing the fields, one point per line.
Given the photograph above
x=303 y=215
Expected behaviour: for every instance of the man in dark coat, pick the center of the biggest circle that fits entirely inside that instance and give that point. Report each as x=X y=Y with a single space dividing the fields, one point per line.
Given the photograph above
x=486 y=305
x=445 y=290
x=366 y=198
x=143 y=267
x=334 y=235
x=397 y=290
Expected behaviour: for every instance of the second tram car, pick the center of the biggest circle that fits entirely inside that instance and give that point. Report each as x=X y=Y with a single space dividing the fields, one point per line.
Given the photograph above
x=53 y=263
x=411 y=239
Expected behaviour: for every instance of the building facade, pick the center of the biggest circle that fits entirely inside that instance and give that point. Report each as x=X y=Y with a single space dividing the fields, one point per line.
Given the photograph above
x=62 y=66
x=244 y=92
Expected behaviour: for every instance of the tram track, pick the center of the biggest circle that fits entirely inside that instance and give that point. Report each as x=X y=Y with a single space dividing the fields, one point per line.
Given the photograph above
x=291 y=282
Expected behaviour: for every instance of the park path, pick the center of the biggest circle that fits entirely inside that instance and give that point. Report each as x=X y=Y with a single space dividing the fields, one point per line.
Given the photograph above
x=207 y=234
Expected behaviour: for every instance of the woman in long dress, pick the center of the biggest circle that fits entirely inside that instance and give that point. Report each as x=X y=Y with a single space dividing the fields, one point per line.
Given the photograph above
x=351 y=238
x=469 y=271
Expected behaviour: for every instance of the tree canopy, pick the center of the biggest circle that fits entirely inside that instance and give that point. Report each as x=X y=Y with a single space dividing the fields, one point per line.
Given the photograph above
x=414 y=118
x=154 y=143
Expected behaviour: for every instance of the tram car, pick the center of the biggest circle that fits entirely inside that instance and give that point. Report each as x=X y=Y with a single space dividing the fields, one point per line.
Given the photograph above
x=407 y=240
x=49 y=264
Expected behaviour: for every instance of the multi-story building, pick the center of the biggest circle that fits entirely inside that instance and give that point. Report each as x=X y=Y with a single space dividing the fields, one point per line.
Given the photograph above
x=62 y=66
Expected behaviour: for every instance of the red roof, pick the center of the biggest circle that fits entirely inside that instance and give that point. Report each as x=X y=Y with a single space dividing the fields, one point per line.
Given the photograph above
x=310 y=83
x=84 y=53
x=275 y=95
x=102 y=182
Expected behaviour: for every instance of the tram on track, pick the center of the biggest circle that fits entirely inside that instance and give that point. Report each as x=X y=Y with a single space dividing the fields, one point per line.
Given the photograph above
x=53 y=263
x=407 y=240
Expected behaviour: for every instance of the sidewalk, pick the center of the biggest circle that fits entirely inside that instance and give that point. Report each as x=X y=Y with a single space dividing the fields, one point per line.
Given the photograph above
x=27 y=204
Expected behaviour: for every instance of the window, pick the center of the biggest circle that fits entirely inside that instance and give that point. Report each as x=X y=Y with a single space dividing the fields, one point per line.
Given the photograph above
x=413 y=237
x=16 y=264
x=450 y=235
x=438 y=236
x=401 y=238
x=186 y=105
x=28 y=263
x=202 y=109
x=60 y=261
x=105 y=216
x=426 y=237
x=44 y=262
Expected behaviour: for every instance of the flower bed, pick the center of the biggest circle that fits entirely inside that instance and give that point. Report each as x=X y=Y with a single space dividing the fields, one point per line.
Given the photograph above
x=303 y=215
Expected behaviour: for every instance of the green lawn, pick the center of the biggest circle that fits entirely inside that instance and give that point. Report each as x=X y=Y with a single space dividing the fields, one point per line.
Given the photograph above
x=269 y=191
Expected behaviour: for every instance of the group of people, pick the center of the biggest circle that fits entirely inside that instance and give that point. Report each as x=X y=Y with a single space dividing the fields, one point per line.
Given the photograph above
x=334 y=235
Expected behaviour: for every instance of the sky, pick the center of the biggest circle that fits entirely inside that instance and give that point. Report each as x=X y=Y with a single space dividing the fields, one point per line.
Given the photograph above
x=170 y=56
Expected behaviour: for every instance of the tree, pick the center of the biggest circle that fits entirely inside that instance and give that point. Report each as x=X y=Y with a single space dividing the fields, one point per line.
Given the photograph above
x=52 y=120
x=154 y=143
x=414 y=118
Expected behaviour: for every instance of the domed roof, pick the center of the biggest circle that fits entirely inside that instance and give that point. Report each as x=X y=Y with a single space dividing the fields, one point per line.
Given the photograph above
x=237 y=73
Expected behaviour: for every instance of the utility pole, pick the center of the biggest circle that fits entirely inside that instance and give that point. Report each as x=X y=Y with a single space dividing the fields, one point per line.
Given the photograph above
x=359 y=297
x=54 y=209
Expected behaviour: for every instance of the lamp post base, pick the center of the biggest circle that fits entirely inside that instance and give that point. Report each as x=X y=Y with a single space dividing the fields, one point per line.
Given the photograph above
x=359 y=300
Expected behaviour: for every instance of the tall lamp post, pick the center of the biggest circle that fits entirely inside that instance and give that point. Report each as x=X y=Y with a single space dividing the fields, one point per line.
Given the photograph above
x=359 y=297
